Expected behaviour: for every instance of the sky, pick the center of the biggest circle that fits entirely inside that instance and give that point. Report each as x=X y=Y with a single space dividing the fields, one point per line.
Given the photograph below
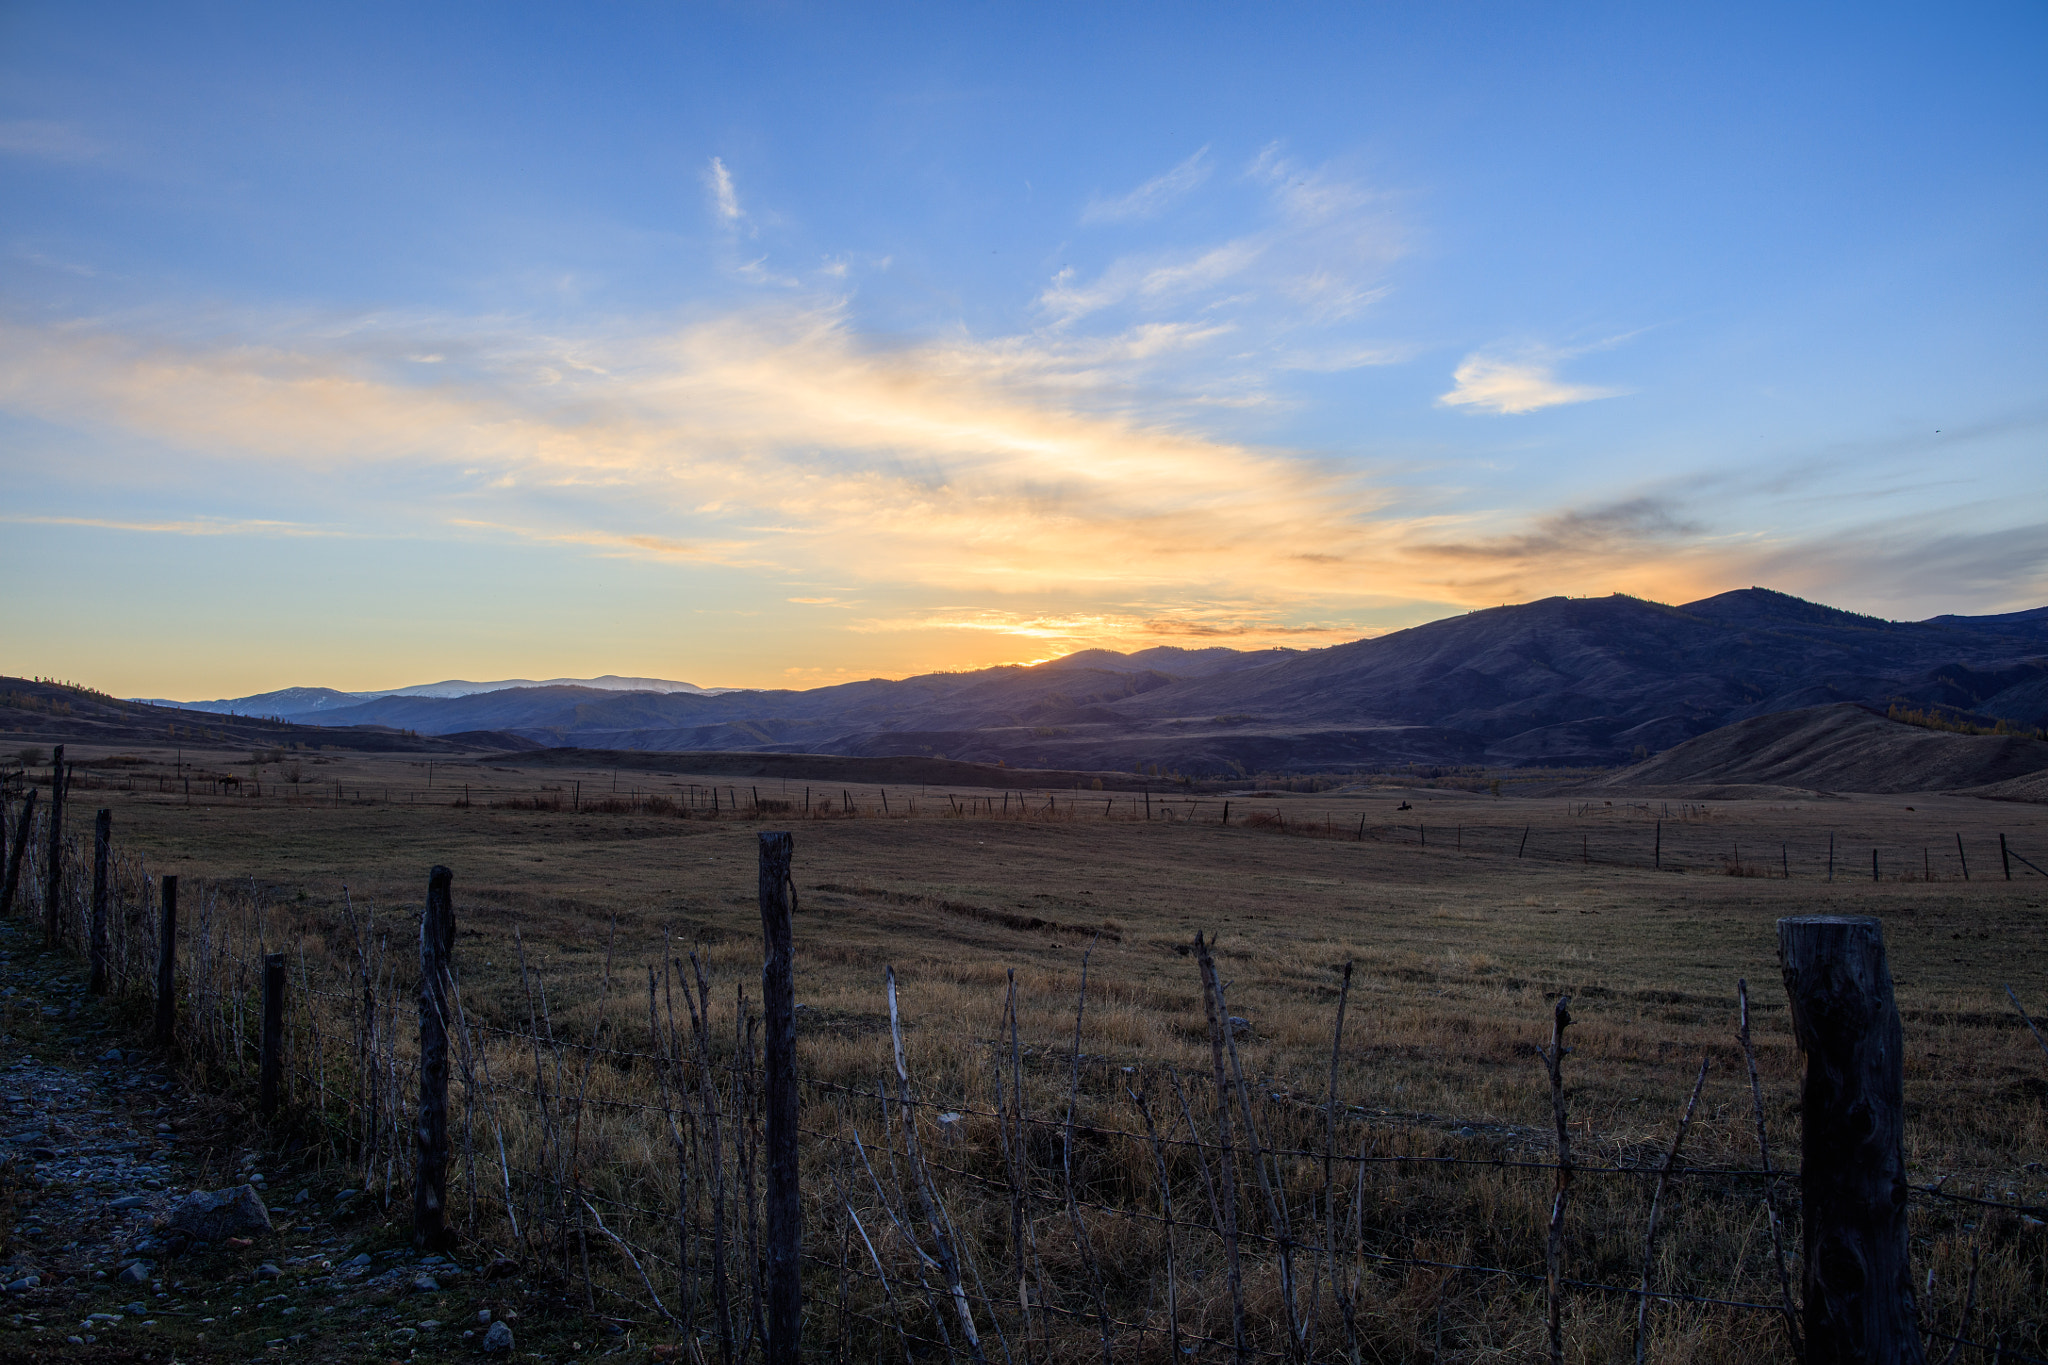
x=786 y=344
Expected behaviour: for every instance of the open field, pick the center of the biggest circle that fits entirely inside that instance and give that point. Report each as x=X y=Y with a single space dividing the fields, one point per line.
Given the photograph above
x=1464 y=914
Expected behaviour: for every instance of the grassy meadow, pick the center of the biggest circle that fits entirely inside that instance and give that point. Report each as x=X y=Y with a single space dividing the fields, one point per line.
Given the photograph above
x=1463 y=914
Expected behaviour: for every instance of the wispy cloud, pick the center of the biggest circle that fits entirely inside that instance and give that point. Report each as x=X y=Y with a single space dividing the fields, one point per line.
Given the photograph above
x=1045 y=479
x=1316 y=258
x=1116 y=628
x=725 y=200
x=774 y=436
x=1151 y=281
x=1515 y=384
x=1154 y=196
x=1622 y=527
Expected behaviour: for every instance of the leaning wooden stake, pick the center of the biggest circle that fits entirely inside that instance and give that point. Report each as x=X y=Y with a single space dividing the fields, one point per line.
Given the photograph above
x=1656 y=1206
x=778 y=1009
x=1338 y=1289
x=1855 y=1274
x=53 y=866
x=270 y=1059
x=21 y=833
x=1080 y=1229
x=928 y=1197
x=102 y=840
x=166 y=962
x=1166 y=1210
x=1553 y=1254
x=430 y=1132
x=2031 y=1028
x=1225 y=1156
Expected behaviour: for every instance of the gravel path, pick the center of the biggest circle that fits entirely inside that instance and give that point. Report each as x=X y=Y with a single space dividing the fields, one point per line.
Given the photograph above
x=99 y=1141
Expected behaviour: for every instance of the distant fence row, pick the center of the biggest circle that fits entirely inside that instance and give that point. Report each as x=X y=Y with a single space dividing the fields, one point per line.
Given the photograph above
x=1675 y=837
x=669 y=1153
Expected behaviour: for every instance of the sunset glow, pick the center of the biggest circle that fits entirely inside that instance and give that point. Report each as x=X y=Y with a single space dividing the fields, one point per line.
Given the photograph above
x=781 y=347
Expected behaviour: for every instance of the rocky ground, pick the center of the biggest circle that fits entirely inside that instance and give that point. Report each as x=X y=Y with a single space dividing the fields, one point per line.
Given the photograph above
x=106 y=1256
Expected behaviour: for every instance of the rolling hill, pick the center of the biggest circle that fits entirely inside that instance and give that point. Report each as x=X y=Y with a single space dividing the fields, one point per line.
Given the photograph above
x=1845 y=747
x=1561 y=681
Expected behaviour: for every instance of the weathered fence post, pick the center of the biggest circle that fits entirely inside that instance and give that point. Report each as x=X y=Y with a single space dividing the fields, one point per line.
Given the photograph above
x=53 y=869
x=1855 y=1274
x=2004 y=858
x=102 y=839
x=21 y=833
x=166 y=962
x=430 y=1133
x=778 y=1007
x=270 y=1061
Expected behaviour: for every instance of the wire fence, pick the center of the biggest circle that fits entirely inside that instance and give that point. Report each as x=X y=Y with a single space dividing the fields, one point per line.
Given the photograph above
x=1674 y=836
x=975 y=1198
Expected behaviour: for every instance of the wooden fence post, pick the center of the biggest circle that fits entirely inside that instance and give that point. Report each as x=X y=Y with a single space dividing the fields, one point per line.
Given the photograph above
x=430 y=1133
x=102 y=838
x=2004 y=858
x=166 y=961
x=1855 y=1275
x=270 y=1061
x=53 y=869
x=778 y=1007
x=21 y=834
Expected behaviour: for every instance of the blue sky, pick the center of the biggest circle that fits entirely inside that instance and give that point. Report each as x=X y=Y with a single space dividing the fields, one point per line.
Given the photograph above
x=783 y=344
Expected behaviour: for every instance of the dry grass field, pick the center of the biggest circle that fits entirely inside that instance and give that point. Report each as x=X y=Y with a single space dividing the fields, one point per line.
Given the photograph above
x=1464 y=913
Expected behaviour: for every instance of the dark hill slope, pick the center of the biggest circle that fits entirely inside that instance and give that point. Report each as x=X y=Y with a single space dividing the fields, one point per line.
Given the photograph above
x=2030 y=625
x=1587 y=680
x=50 y=713
x=1838 y=748
x=1590 y=681
x=796 y=721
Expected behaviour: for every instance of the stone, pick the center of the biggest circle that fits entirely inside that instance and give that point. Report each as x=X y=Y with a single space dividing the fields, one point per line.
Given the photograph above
x=498 y=1340
x=112 y=1054
x=405 y=1334
x=136 y=1273
x=504 y=1267
x=129 y=1201
x=218 y=1215
x=138 y=1308
x=1239 y=1027
x=267 y=1271
x=360 y=1259
x=24 y=1284
x=483 y=1317
x=303 y=1195
x=424 y=1284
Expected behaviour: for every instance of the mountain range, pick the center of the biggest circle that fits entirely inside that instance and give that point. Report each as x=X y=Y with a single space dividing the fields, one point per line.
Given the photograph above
x=304 y=703
x=1560 y=681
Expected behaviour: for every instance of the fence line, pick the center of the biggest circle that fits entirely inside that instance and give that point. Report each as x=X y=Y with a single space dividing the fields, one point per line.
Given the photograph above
x=566 y=1144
